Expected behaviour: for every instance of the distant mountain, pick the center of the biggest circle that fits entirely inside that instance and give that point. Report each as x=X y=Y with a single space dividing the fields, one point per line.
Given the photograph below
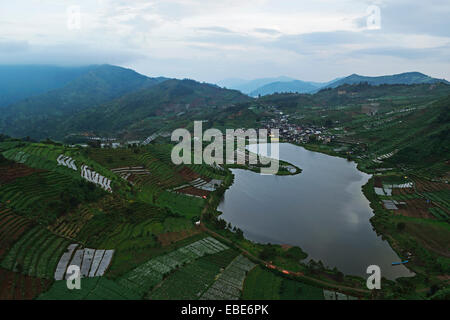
x=267 y=86
x=296 y=86
x=247 y=86
x=21 y=82
x=402 y=78
x=108 y=99
x=35 y=116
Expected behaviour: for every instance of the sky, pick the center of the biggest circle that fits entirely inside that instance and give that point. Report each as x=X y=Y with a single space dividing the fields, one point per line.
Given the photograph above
x=212 y=40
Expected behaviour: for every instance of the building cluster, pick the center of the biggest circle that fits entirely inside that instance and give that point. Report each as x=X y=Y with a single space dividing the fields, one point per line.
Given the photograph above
x=297 y=133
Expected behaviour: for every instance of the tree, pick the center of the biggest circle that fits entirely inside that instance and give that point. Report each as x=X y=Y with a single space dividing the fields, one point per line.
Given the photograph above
x=401 y=226
x=267 y=253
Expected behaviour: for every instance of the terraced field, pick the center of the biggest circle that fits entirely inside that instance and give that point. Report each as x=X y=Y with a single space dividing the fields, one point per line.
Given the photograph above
x=17 y=286
x=44 y=196
x=12 y=227
x=70 y=225
x=262 y=284
x=35 y=254
x=99 y=288
x=230 y=283
x=418 y=198
x=50 y=218
x=191 y=281
x=147 y=276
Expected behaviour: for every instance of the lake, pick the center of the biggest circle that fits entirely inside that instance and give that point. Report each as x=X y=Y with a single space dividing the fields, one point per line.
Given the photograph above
x=322 y=210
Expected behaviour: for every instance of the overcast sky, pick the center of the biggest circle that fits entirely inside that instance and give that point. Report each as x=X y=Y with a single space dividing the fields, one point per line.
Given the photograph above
x=210 y=40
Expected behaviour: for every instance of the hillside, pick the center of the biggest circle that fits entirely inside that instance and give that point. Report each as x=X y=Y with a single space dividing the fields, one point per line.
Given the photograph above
x=23 y=81
x=353 y=94
x=37 y=116
x=141 y=109
x=402 y=78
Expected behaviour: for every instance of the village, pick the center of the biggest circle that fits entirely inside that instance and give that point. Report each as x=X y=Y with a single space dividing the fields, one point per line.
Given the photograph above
x=300 y=134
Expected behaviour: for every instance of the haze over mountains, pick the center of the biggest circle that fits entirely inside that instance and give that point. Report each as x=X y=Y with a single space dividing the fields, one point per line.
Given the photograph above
x=53 y=102
x=102 y=96
x=266 y=86
x=23 y=81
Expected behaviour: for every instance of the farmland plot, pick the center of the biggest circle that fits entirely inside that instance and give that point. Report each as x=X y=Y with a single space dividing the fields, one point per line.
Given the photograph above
x=35 y=254
x=262 y=284
x=18 y=286
x=331 y=295
x=98 y=288
x=131 y=174
x=190 y=281
x=146 y=276
x=69 y=225
x=13 y=171
x=11 y=228
x=230 y=283
x=44 y=195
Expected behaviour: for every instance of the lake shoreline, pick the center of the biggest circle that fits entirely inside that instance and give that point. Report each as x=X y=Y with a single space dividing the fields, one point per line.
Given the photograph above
x=361 y=190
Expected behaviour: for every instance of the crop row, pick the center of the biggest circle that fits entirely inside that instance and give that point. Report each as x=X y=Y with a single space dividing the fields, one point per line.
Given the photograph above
x=36 y=253
x=146 y=276
x=98 y=288
x=229 y=285
x=27 y=194
x=191 y=281
x=70 y=225
x=11 y=228
x=18 y=286
x=439 y=214
x=442 y=197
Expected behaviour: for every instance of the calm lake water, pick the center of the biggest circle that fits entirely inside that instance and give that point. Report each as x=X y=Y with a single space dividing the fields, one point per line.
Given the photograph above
x=322 y=210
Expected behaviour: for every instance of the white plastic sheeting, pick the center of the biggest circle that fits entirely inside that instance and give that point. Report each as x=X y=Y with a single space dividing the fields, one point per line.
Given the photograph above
x=66 y=162
x=64 y=262
x=104 y=264
x=96 y=178
x=87 y=261
x=92 y=262
x=97 y=258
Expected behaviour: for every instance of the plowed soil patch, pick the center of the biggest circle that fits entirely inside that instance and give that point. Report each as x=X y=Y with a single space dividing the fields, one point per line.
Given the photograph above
x=428 y=186
x=14 y=171
x=16 y=286
x=416 y=208
x=188 y=175
x=168 y=238
x=378 y=183
x=400 y=191
x=194 y=191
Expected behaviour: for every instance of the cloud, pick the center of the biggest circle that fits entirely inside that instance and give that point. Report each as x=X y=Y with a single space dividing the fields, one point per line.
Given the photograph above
x=215 y=29
x=210 y=40
x=267 y=31
x=439 y=53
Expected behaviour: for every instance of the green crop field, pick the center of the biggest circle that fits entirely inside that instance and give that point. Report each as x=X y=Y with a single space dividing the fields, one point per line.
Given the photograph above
x=191 y=281
x=97 y=288
x=262 y=284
